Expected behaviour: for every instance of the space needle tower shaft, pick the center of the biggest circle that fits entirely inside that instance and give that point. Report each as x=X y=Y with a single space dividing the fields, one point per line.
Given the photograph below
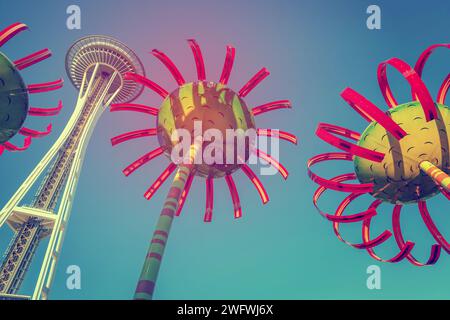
x=96 y=66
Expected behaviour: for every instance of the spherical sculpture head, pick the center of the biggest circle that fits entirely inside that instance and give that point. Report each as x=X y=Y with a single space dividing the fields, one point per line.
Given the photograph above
x=203 y=108
x=13 y=99
x=398 y=178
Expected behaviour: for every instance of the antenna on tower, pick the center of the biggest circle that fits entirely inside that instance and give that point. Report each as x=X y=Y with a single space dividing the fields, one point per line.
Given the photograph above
x=96 y=65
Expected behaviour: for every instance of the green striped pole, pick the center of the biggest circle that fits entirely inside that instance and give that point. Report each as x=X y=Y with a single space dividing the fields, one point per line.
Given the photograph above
x=147 y=280
x=149 y=273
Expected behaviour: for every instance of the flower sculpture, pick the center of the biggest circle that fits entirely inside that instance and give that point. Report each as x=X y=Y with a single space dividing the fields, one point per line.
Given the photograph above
x=401 y=158
x=14 y=95
x=217 y=107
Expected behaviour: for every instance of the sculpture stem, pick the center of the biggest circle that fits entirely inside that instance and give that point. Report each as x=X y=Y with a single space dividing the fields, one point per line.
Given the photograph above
x=150 y=270
x=439 y=176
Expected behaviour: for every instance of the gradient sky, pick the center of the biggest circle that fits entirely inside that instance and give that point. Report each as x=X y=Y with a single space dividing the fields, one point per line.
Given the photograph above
x=283 y=250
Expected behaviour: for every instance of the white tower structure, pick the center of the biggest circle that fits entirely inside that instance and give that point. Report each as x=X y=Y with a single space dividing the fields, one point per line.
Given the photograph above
x=96 y=66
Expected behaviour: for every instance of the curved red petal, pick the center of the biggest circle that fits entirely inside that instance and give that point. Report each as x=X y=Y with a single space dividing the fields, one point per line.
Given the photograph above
x=435 y=249
x=45 y=112
x=228 y=65
x=10 y=31
x=270 y=106
x=341 y=218
x=274 y=163
x=35 y=133
x=420 y=64
x=142 y=160
x=371 y=112
x=199 y=62
x=45 y=86
x=147 y=83
x=404 y=250
x=327 y=132
x=32 y=59
x=184 y=194
x=134 y=107
x=366 y=244
x=443 y=90
x=333 y=185
x=133 y=135
x=277 y=134
x=161 y=179
x=11 y=147
x=437 y=235
x=418 y=88
x=170 y=66
x=256 y=182
x=234 y=196
x=209 y=199
x=253 y=82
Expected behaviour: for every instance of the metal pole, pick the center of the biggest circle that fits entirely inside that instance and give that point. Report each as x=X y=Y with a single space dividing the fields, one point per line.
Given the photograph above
x=149 y=274
x=439 y=176
x=152 y=263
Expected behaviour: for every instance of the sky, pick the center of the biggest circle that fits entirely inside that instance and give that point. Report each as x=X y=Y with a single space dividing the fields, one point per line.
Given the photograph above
x=281 y=250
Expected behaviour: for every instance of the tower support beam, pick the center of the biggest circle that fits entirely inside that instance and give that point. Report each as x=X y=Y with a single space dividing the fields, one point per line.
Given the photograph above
x=96 y=66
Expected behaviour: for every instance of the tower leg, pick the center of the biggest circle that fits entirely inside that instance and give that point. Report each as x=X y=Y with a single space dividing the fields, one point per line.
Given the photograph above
x=48 y=267
x=150 y=270
x=32 y=179
x=17 y=260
